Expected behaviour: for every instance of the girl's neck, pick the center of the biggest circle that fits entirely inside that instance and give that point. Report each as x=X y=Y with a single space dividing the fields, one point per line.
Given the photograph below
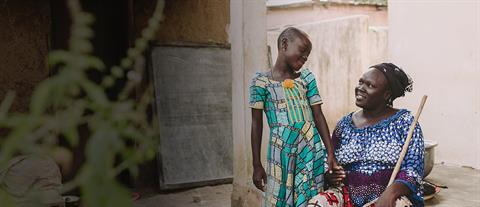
x=282 y=71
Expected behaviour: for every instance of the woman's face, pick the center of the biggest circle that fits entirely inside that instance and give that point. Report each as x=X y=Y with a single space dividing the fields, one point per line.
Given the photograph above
x=372 y=90
x=297 y=52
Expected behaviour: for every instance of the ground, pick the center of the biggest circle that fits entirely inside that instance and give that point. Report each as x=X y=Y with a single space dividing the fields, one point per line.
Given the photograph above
x=463 y=191
x=463 y=186
x=210 y=196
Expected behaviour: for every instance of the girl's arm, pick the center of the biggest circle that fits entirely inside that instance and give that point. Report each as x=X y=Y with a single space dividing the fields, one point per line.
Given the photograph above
x=322 y=128
x=259 y=176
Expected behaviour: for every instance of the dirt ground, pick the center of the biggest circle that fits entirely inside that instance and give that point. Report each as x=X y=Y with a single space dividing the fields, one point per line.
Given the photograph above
x=463 y=191
x=210 y=196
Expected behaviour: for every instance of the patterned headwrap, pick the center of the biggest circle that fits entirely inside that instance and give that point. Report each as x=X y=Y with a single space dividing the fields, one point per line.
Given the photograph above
x=398 y=81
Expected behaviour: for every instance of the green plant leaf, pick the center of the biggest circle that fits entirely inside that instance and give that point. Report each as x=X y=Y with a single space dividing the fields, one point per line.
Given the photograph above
x=41 y=97
x=6 y=104
x=5 y=199
x=58 y=56
x=95 y=93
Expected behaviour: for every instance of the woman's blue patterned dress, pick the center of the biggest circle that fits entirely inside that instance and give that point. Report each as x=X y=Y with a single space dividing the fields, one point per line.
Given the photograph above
x=369 y=155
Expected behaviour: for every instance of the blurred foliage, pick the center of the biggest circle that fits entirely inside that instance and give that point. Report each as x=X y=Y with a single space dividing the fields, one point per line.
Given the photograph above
x=70 y=99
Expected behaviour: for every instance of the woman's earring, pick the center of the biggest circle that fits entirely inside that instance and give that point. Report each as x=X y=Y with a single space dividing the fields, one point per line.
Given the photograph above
x=389 y=102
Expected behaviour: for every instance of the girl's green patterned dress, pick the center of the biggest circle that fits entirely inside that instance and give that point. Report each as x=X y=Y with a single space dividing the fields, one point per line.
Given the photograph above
x=295 y=160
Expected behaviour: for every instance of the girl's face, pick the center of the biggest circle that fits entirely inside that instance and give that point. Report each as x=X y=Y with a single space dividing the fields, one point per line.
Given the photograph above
x=296 y=52
x=372 y=90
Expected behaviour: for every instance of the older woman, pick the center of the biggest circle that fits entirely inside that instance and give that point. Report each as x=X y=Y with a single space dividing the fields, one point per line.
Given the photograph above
x=368 y=142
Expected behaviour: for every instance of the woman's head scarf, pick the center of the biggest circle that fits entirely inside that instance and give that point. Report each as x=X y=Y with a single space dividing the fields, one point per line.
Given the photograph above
x=398 y=81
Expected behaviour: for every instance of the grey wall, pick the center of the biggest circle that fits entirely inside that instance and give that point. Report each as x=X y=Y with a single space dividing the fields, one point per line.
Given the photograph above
x=193 y=95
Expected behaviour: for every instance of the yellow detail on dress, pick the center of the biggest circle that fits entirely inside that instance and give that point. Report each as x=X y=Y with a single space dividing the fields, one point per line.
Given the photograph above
x=297 y=110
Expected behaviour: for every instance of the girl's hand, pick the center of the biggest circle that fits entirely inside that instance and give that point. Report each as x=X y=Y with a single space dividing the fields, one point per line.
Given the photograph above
x=259 y=177
x=331 y=162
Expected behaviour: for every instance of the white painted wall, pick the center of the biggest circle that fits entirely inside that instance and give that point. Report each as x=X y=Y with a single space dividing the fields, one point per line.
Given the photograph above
x=438 y=43
x=249 y=54
x=314 y=11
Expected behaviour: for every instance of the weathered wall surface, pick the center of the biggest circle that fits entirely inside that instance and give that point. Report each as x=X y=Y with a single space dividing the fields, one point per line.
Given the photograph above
x=204 y=127
x=342 y=50
x=249 y=54
x=279 y=17
x=193 y=96
x=188 y=21
x=377 y=45
x=24 y=46
x=439 y=45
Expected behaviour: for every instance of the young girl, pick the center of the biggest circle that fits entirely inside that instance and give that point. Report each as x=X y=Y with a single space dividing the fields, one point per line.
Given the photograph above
x=290 y=99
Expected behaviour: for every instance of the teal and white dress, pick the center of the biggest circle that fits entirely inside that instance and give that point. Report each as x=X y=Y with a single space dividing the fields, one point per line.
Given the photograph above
x=296 y=155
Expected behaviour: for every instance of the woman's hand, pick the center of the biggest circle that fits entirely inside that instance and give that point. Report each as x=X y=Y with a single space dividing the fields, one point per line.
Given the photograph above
x=259 y=177
x=336 y=177
x=386 y=200
x=391 y=194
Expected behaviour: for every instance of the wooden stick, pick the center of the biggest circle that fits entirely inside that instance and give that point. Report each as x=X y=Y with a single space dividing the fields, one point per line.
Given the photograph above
x=407 y=141
x=405 y=147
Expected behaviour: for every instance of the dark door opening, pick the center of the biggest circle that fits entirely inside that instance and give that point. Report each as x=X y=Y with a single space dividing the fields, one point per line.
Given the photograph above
x=111 y=40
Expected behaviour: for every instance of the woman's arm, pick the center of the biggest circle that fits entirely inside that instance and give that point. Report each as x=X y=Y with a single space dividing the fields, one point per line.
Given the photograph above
x=259 y=176
x=391 y=194
x=408 y=180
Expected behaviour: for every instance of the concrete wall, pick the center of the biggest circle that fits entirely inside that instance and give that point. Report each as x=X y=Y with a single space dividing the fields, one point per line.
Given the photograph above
x=377 y=45
x=24 y=44
x=438 y=43
x=249 y=54
x=188 y=21
x=278 y=17
x=342 y=50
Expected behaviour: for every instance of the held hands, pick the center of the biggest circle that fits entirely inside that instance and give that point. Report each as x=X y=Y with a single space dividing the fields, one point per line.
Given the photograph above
x=336 y=177
x=334 y=170
x=332 y=163
x=259 y=177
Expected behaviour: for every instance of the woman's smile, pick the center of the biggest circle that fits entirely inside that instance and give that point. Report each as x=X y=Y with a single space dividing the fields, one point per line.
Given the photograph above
x=360 y=95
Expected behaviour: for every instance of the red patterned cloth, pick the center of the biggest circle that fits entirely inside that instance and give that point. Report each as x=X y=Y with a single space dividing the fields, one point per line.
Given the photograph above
x=333 y=197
